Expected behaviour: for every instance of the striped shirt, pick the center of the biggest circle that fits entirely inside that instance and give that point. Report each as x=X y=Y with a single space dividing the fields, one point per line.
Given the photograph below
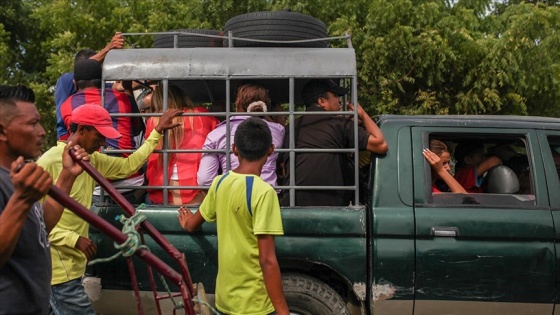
x=116 y=103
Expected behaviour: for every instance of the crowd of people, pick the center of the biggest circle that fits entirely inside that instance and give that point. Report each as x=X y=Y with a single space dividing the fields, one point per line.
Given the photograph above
x=45 y=248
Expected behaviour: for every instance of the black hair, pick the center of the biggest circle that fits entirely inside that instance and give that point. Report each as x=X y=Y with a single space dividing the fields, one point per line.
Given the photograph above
x=17 y=93
x=8 y=109
x=74 y=127
x=466 y=148
x=83 y=55
x=252 y=139
x=313 y=100
x=83 y=84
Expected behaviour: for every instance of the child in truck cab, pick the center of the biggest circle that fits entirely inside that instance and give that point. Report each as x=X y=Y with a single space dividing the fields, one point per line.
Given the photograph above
x=247 y=214
x=471 y=165
x=438 y=156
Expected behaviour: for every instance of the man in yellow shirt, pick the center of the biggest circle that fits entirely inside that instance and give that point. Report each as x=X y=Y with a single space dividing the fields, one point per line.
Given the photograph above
x=71 y=247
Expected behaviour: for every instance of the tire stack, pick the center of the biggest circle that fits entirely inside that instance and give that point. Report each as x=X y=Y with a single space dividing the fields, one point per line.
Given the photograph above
x=276 y=26
x=267 y=25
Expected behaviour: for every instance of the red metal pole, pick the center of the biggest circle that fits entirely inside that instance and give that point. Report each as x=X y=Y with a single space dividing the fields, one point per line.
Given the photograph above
x=134 y=282
x=120 y=237
x=146 y=226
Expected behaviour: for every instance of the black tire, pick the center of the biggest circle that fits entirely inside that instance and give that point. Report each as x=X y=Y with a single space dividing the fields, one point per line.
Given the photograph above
x=308 y=296
x=189 y=41
x=276 y=25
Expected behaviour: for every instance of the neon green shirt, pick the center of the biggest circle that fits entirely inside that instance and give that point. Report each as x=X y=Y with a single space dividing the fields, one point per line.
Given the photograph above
x=68 y=263
x=243 y=207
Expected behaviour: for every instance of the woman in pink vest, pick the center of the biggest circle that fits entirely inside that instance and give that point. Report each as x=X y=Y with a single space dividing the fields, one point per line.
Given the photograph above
x=181 y=167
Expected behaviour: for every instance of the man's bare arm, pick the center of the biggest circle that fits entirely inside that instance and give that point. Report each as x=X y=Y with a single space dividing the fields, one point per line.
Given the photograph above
x=70 y=170
x=376 y=141
x=117 y=42
x=31 y=183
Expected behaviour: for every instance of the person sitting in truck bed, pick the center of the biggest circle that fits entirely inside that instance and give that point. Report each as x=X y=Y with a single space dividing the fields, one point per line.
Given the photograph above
x=211 y=163
x=65 y=86
x=181 y=167
x=333 y=132
x=87 y=78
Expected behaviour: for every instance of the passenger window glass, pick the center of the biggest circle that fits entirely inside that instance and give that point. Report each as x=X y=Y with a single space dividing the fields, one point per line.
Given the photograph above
x=491 y=170
x=555 y=149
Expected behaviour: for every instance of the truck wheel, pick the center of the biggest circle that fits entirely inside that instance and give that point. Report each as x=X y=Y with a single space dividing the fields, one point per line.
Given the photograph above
x=189 y=41
x=276 y=25
x=308 y=296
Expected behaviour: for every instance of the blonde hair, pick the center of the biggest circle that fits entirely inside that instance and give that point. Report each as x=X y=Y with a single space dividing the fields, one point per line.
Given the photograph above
x=176 y=99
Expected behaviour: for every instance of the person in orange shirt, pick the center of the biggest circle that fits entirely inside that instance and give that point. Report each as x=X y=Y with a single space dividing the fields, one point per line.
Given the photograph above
x=181 y=167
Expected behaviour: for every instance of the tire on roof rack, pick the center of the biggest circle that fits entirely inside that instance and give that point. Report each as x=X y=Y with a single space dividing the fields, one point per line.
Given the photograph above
x=276 y=25
x=189 y=41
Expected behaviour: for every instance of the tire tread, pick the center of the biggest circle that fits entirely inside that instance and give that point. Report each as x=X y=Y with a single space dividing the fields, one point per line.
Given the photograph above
x=306 y=287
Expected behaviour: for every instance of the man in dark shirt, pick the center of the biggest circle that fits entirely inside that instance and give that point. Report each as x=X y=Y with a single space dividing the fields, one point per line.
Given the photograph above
x=327 y=132
x=25 y=260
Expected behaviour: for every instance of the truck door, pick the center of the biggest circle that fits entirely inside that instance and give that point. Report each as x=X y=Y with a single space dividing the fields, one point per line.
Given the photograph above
x=484 y=253
x=550 y=144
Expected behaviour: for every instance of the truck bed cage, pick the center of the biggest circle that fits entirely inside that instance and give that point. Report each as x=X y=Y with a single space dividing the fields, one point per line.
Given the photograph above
x=209 y=74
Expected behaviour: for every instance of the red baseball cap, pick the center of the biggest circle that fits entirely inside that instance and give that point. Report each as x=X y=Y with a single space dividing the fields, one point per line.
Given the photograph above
x=96 y=116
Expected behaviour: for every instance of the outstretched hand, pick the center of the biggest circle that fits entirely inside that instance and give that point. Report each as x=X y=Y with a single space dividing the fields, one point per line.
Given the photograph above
x=166 y=120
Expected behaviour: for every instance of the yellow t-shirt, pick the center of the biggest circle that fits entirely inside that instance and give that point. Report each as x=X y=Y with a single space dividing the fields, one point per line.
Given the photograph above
x=68 y=263
x=243 y=207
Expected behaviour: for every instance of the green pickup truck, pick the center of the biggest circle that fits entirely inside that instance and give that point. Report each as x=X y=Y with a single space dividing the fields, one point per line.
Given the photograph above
x=398 y=248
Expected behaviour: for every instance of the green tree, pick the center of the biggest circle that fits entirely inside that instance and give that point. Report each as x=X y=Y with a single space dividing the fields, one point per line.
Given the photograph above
x=413 y=56
x=436 y=58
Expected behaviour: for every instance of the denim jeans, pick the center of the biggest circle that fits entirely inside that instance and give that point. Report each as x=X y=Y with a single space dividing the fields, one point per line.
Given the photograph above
x=69 y=298
x=273 y=313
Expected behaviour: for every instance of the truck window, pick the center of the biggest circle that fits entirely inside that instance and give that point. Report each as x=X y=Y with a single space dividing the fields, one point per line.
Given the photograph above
x=554 y=143
x=493 y=169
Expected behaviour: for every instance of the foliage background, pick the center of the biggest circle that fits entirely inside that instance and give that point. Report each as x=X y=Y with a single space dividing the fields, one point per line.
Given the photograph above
x=414 y=56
